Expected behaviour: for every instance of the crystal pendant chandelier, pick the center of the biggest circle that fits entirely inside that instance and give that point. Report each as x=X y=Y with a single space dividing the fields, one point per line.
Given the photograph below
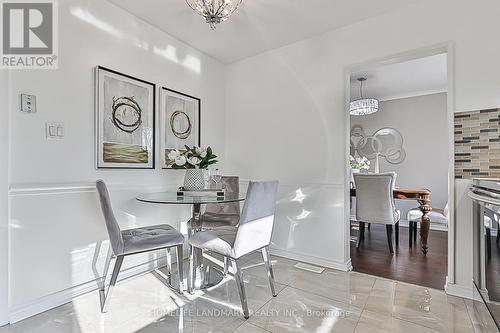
x=363 y=106
x=214 y=11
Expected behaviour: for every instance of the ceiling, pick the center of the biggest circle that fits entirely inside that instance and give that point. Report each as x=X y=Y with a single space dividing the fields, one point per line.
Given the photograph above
x=257 y=25
x=417 y=77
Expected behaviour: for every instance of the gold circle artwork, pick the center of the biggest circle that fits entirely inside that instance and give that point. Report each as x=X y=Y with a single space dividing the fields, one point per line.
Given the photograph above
x=177 y=118
x=127 y=114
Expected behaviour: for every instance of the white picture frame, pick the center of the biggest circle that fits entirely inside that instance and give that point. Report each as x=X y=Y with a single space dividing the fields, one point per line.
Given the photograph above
x=125 y=109
x=180 y=122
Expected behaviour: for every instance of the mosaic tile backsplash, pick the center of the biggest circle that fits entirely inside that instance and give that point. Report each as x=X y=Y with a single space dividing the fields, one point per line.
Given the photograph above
x=477 y=144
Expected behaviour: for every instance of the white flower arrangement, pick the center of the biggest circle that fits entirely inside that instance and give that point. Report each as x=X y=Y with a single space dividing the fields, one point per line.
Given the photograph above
x=191 y=158
x=359 y=163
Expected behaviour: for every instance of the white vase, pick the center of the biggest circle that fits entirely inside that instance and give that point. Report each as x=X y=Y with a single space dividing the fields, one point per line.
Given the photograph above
x=193 y=180
x=353 y=171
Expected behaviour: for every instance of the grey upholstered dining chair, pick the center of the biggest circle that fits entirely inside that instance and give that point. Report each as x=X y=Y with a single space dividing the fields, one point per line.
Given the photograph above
x=252 y=233
x=133 y=241
x=226 y=214
x=436 y=216
x=375 y=204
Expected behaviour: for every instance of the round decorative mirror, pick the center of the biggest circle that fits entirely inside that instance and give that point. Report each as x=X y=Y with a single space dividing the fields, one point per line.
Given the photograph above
x=369 y=147
x=387 y=142
x=389 y=138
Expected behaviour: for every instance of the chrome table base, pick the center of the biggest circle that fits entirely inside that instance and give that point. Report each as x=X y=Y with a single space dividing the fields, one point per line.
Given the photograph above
x=202 y=282
x=203 y=270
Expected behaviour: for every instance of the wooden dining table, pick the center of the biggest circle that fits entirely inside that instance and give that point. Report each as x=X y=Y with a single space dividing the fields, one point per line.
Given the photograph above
x=423 y=197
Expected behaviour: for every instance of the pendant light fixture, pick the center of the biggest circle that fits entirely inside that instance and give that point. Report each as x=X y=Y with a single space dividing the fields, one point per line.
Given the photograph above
x=363 y=106
x=214 y=11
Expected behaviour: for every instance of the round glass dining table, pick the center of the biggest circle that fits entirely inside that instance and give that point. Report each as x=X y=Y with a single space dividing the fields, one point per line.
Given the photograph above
x=172 y=198
x=206 y=275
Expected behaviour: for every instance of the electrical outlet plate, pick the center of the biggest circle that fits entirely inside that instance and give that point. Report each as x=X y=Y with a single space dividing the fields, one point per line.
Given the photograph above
x=54 y=130
x=28 y=103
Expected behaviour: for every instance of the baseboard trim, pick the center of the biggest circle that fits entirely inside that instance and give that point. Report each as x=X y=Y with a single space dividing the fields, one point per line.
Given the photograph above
x=341 y=266
x=67 y=295
x=49 y=302
x=459 y=290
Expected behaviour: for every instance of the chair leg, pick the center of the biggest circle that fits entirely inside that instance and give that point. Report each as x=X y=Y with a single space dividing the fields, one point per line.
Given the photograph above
x=180 y=267
x=361 y=236
x=410 y=234
x=169 y=262
x=241 y=288
x=388 y=228
x=109 y=256
x=226 y=266
x=114 y=276
x=415 y=231
x=498 y=232
x=269 y=266
x=397 y=233
x=488 y=242
x=192 y=269
x=206 y=275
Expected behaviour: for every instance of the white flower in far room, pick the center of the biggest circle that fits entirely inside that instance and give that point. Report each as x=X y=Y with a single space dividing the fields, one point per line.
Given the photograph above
x=359 y=163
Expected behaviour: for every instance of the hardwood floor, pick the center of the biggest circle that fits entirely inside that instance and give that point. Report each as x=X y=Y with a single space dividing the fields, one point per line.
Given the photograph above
x=407 y=265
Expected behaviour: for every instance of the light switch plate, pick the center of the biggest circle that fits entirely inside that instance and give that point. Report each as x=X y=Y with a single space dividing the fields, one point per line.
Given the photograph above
x=28 y=103
x=54 y=130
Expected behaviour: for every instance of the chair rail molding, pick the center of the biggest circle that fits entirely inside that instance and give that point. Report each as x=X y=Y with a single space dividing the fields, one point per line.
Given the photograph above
x=291 y=183
x=26 y=189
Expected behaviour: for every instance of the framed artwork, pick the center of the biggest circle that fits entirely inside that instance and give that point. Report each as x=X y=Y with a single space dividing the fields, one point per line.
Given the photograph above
x=180 y=116
x=124 y=121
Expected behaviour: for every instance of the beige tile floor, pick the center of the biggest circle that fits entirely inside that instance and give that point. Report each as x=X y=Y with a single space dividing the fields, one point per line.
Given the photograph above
x=332 y=301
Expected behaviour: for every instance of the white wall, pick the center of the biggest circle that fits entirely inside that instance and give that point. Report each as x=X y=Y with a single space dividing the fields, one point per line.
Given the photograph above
x=425 y=143
x=463 y=245
x=4 y=185
x=285 y=120
x=55 y=221
x=286 y=116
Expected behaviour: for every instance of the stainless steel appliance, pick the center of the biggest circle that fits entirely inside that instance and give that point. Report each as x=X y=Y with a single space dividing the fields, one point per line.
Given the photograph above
x=485 y=194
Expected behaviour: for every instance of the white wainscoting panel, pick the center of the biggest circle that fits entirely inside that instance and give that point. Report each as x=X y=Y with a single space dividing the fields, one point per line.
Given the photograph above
x=309 y=224
x=58 y=240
